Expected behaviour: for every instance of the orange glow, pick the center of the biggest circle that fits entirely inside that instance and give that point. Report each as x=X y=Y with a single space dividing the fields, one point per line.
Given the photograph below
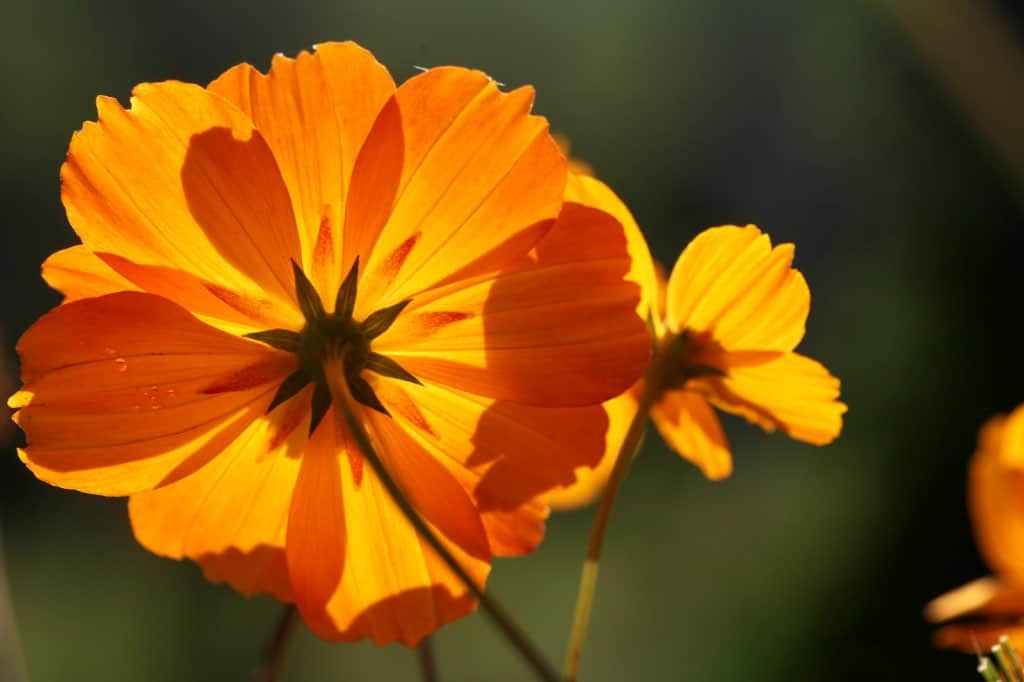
x=217 y=227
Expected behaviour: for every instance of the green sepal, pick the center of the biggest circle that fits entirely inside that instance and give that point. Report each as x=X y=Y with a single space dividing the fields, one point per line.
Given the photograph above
x=305 y=293
x=320 y=404
x=364 y=394
x=282 y=339
x=385 y=366
x=288 y=388
x=379 y=321
x=345 y=302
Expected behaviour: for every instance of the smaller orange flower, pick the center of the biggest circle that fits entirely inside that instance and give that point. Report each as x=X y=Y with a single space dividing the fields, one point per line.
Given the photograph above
x=726 y=324
x=995 y=499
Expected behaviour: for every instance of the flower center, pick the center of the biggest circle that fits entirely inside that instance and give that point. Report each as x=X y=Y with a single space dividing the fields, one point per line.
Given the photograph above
x=684 y=356
x=331 y=334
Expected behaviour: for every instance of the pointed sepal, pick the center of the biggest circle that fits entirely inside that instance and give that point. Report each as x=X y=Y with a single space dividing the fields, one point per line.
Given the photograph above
x=363 y=393
x=379 y=321
x=385 y=366
x=288 y=388
x=305 y=293
x=345 y=302
x=282 y=339
x=320 y=404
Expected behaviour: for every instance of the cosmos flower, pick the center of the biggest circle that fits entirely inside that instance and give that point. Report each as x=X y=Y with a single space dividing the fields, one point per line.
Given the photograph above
x=980 y=611
x=727 y=322
x=233 y=235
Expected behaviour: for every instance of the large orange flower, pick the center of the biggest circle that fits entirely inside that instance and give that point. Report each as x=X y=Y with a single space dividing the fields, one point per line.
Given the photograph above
x=232 y=233
x=995 y=498
x=726 y=322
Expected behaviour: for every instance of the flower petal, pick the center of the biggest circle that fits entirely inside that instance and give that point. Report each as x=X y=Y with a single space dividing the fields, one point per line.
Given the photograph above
x=231 y=515
x=995 y=494
x=358 y=569
x=988 y=596
x=729 y=281
x=128 y=391
x=182 y=180
x=787 y=391
x=504 y=455
x=690 y=427
x=561 y=331
x=314 y=111
x=591 y=480
x=78 y=273
x=452 y=173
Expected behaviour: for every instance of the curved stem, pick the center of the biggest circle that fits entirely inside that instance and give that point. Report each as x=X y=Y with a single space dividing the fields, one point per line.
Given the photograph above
x=273 y=658
x=342 y=400
x=428 y=662
x=588 y=579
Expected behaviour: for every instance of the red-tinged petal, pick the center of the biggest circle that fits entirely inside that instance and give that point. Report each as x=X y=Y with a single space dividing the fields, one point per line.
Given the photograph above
x=317 y=544
x=560 y=332
x=453 y=172
x=231 y=515
x=972 y=637
x=491 y=447
x=591 y=480
x=784 y=391
x=78 y=273
x=995 y=494
x=429 y=487
x=690 y=427
x=128 y=391
x=731 y=283
x=182 y=180
x=314 y=111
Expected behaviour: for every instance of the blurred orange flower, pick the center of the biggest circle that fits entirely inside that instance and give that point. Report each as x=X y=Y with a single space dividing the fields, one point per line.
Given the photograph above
x=231 y=233
x=726 y=323
x=995 y=499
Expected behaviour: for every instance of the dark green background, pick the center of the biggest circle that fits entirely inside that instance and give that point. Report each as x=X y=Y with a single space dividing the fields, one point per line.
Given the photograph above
x=815 y=120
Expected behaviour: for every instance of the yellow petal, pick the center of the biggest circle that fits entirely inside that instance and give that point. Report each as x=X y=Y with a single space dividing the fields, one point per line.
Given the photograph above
x=995 y=494
x=78 y=273
x=690 y=427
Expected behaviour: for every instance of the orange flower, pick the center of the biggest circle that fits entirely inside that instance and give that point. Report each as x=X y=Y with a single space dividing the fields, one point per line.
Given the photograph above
x=995 y=498
x=726 y=324
x=230 y=235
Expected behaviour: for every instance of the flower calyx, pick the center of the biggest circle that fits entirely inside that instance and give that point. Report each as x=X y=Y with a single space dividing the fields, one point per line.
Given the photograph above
x=334 y=334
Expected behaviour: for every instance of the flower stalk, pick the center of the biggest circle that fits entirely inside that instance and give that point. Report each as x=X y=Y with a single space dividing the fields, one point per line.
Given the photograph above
x=273 y=658
x=427 y=660
x=342 y=399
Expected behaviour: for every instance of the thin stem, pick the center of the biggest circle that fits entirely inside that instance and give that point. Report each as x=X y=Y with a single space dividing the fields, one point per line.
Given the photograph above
x=428 y=663
x=588 y=579
x=273 y=658
x=341 y=399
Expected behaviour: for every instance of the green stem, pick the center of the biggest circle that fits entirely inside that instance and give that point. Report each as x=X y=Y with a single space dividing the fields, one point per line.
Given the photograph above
x=588 y=579
x=340 y=397
x=428 y=663
x=273 y=659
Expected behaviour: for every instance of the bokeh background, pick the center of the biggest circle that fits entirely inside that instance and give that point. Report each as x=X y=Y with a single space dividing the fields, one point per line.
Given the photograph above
x=884 y=137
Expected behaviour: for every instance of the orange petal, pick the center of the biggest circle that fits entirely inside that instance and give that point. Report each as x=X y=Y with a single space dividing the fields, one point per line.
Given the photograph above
x=505 y=455
x=970 y=637
x=231 y=515
x=588 y=191
x=590 y=481
x=988 y=596
x=452 y=173
x=730 y=282
x=995 y=494
x=78 y=273
x=182 y=180
x=561 y=332
x=785 y=391
x=358 y=569
x=314 y=111
x=128 y=391
x=316 y=544
x=690 y=427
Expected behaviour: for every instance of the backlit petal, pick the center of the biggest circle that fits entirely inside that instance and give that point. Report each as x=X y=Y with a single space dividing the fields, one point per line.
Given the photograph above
x=561 y=331
x=591 y=480
x=690 y=427
x=988 y=596
x=504 y=454
x=78 y=273
x=729 y=281
x=314 y=111
x=995 y=494
x=128 y=391
x=453 y=174
x=231 y=515
x=784 y=391
x=183 y=181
